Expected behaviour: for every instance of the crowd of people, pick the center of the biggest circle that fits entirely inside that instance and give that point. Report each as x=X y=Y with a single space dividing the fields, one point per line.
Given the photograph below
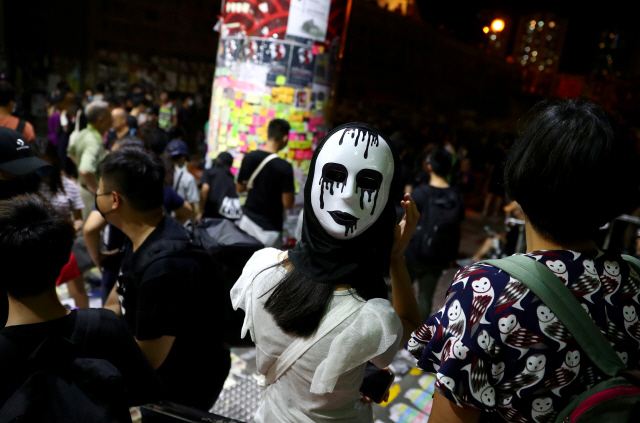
x=117 y=193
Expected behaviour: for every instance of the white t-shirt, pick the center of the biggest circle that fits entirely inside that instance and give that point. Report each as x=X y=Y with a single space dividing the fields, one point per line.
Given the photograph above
x=184 y=183
x=64 y=202
x=323 y=385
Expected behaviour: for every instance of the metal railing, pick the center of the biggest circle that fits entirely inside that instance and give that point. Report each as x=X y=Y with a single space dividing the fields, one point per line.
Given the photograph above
x=187 y=414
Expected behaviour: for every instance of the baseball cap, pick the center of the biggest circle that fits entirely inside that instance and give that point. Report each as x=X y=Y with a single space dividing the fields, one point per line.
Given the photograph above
x=178 y=148
x=16 y=157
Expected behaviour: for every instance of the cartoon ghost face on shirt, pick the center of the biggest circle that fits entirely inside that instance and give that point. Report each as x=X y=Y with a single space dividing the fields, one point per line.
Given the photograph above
x=481 y=285
x=351 y=182
x=612 y=268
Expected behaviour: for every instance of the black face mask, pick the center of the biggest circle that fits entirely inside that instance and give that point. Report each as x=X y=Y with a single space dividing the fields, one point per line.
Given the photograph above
x=95 y=202
x=19 y=186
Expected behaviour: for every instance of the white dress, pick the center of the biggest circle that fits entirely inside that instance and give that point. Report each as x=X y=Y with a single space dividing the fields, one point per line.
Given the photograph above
x=323 y=385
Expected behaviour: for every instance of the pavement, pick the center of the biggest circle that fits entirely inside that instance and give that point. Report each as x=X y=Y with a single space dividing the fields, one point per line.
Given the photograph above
x=411 y=394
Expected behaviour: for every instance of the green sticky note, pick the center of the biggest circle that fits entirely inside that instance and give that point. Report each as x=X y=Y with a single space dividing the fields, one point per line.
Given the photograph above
x=266 y=98
x=279 y=107
x=309 y=136
x=281 y=80
x=234 y=131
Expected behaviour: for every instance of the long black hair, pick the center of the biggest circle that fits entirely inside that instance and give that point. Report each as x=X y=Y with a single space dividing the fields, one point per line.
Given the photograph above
x=55 y=180
x=297 y=302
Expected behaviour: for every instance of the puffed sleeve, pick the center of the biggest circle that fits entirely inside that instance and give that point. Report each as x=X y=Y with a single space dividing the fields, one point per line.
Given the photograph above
x=374 y=335
x=241 y=293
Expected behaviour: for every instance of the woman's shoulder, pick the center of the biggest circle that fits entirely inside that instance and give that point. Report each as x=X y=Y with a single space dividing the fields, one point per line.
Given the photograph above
x=379 y=315
x=264 y=257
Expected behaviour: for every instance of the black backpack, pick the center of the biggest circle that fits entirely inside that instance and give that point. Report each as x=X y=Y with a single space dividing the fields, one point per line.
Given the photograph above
x=437 y=237
x=56 y=384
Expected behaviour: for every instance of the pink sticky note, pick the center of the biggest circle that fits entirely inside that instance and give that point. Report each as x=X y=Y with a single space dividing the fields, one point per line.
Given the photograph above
x=252 y=130
x=234 y=170
x=243 y=137
x=244 y=148
x=256 y=120
x=299 y=155
x=315 y=50
x=301 y=137
x=271 y=113
x=312 y=128
x=239 y=103
x=308 y=154
x=262 y=121
x=293 y=135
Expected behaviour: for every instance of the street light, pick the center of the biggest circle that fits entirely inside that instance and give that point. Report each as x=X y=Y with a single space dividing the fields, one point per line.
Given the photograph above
x=485 y=29
x=497 y=25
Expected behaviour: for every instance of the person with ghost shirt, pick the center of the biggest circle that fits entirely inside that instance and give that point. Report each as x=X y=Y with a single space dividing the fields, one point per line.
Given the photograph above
x=329 y=290
x=498 y=352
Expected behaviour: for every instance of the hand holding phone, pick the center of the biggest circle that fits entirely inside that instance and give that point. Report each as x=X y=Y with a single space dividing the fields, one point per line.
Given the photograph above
x=376 y=383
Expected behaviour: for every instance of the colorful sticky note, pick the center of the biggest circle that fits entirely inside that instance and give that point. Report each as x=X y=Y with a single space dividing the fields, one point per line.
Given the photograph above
x=233 y=142
x=262 y=120
x=238 y=103
x=281 y=80
x=243 y=137
x=315 y=50
x=253 y=98
x=291 y=154
x=243 y=148
x=309 y=136
x=271 y=113
x=253 y=146
x=239 y=95
x=252 y=130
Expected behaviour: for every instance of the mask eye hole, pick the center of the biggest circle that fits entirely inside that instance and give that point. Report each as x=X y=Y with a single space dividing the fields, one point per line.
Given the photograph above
x=369 y=179
x=335 y=172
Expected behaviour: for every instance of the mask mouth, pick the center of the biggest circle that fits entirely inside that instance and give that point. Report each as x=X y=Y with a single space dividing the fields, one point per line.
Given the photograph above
x=343 y=218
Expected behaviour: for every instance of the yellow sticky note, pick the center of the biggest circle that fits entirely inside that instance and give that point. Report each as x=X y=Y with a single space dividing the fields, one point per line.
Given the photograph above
x=281 y=80
x=236 y=163
x=239 y=95
x=253 y=146
x=291 y=154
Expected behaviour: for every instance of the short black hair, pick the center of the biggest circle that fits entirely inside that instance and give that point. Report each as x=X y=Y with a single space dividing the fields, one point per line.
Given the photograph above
x=155 y=139
x=36 y=242
x=440 y=161
x=278 y=129
x=570 y=170
x=136 y=175
x=7 y=94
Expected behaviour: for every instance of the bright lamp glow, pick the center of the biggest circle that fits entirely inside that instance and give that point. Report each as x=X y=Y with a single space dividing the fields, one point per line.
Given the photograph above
x=497 y=25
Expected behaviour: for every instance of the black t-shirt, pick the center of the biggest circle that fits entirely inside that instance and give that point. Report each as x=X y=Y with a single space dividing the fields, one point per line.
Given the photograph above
x=222 y=192
x=113 y=343
x=166 y=301
x=264 y=201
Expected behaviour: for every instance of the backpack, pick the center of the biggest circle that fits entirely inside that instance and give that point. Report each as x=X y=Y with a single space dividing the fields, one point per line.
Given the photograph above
x=222 y=250
x=616 y=399
x=437 y=235
x=56 y=384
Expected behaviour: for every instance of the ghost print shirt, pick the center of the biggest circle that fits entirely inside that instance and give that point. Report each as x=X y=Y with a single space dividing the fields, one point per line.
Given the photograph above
x=494 y=346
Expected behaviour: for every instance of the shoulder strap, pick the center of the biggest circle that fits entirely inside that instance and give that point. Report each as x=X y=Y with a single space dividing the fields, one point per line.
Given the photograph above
x=555 y=295
x=632 y=262
x=86 y=329
x=330 y=321
x=259 y=168
x=77 y=125
x=176 y=185
x=21 y=124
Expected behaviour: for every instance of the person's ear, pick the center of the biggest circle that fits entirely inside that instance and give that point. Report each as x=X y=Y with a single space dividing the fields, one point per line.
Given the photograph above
x=118 y=201
x=285 y=139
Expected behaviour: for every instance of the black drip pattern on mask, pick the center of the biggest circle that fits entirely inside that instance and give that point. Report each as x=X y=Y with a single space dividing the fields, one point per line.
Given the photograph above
x=328 y=184
x=352 y=227
x=370 y=192
x=371 y=138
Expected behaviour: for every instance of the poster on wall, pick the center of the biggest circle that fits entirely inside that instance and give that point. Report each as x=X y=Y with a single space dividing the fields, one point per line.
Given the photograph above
x=309 y=19
x=302 y=66
x=276 y=56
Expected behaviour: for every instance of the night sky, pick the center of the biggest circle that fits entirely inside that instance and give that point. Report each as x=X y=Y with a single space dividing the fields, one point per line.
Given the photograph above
x=586 y=25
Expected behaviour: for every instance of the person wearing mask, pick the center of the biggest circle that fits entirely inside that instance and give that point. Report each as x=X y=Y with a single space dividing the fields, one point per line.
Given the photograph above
x=268 y=181
x=184 y=183
x=156 y=296
x=88 y=151
x=7 y=104
x=512 y=358
x=30 y=230
x=319 y=312
x=218 y=197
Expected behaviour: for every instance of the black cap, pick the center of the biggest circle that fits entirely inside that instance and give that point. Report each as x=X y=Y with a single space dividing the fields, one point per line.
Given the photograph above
x=16 y=157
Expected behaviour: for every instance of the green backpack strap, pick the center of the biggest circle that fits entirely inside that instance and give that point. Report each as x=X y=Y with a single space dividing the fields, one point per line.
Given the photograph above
x=632 y=262
x=555 y=295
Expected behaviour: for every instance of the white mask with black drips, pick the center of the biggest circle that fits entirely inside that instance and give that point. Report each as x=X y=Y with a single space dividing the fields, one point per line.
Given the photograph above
x=351 y=183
